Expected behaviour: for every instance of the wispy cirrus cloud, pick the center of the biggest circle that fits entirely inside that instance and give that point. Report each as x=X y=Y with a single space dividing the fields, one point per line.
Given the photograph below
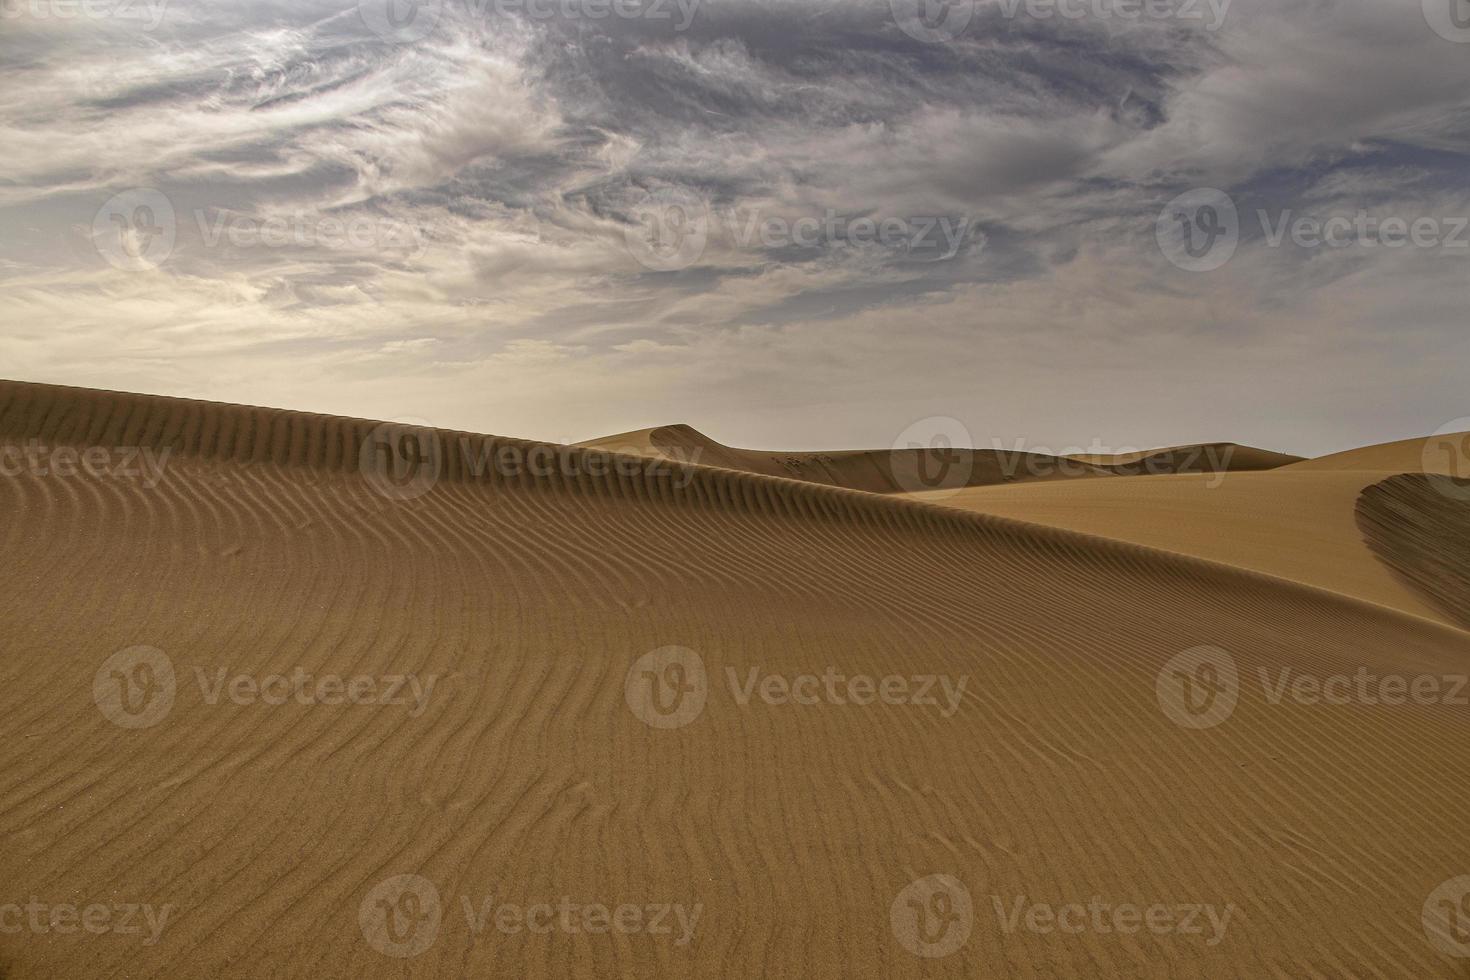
x=450 y=225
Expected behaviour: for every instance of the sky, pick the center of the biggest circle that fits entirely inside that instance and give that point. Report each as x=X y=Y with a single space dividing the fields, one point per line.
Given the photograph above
x=792 y=224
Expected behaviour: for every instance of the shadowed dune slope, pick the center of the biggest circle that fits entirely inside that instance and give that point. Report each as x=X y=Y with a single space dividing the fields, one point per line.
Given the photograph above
x=1419 y=525
x=1296 y=524
x=915 y=470
x=1214 y=457
x=527 y=775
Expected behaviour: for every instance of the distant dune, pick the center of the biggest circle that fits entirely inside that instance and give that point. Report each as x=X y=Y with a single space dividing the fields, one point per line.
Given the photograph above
x=914 y=470
x=546 y=596
x=1214 y=457
x=1434 y=454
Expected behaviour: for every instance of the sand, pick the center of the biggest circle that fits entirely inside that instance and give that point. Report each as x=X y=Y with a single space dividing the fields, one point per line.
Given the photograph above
x=533 y=610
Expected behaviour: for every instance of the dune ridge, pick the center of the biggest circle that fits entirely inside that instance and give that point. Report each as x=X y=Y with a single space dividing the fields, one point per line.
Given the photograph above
x=910 y=470
x=266 y=548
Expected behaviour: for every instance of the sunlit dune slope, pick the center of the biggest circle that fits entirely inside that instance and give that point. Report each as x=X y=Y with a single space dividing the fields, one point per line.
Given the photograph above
x=1445 y=454
x=1294 y=523
x=530 y=591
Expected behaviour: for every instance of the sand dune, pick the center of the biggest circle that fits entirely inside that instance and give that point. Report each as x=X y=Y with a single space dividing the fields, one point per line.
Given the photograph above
x=1293 y=523
x=533 y=590
x=911 y=470
x=1301 y=521
x=1212 y=457
x=1446 y=454
x=1419 y=526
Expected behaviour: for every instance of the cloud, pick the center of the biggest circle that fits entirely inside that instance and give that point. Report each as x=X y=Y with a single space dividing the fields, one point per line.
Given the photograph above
x=463 y=221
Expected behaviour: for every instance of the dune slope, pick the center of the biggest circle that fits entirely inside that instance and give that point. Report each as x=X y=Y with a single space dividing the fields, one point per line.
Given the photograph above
x=532 y=595
x=1419 y=526
x=1298 y=524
